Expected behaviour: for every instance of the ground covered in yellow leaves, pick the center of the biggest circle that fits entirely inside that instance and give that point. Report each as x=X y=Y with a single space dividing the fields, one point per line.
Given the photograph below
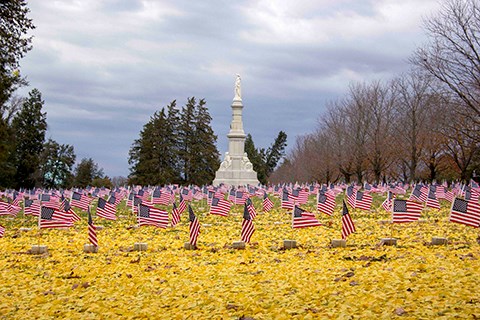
x=364 y=280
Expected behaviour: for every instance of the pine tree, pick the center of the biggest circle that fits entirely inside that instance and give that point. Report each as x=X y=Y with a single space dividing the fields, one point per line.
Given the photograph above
x=14 y=44
x=265 y=161
x=206 y=158
x=187 y=140
x=175 y=147
x=29 y=126
x=56 y=165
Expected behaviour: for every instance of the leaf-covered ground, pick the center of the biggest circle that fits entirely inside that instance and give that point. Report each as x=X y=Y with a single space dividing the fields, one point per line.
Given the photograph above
x=413 y=280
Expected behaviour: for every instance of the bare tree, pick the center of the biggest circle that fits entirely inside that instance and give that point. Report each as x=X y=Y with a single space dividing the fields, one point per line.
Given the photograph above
x=453 y=54
x=414 y=98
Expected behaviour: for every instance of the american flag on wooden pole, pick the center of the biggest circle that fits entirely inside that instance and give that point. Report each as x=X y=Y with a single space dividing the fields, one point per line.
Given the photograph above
x=347 y=223
x=194 y=227
x=92 y=230
x=247 y=225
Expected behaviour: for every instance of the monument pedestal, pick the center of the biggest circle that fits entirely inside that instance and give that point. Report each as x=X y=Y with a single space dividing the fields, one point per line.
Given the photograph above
x=236 y=169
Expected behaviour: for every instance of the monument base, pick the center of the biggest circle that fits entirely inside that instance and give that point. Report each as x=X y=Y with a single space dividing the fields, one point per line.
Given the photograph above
x=235 y=178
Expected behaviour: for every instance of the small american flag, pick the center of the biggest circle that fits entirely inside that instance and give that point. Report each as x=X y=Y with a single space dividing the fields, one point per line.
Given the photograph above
x=247 y=225
x=406 y=210
x=432 y=201
x=363 y=201
x=303 y=219
x=220 y=207
x=151 y=216
x=175 y=215
x=194 y=227
x=267 y=203
x=92 y=230
x=65 y=206
x=161 y=197
x=80 y=201
x=2 y=231
x=287 y=202
x=351 y=194
x=325 y=203
x=465 y=212
x=251 y=208
x=52 y=218
x=347 y=223
x=106 y=210
x=31 y=207
x=182 y=206
x=387 y=204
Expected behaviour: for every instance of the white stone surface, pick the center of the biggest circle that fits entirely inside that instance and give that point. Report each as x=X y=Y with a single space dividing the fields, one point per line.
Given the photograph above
x=236 y=169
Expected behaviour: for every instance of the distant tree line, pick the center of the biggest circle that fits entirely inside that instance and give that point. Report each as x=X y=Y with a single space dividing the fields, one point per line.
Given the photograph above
x=422 y=125
x=177 y=145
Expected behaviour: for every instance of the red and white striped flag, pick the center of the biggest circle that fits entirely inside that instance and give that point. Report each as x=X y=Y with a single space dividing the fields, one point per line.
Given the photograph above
x=175 y=215
x=267 y=203
x=303 y=219
x=151 y=216
x=194 y=227
x=247 y=225
x=387 y=204
x=80 y=201
x=251 y=208
x=406 y=211
x=182 y=205
x=53 y=218
x=92 y=230
x=347 y=223
x=325 y=203
x=363 y=201
x=465 y=212
x=220 y=207
x=2 y=231
x=432 y=201
x=106 y=209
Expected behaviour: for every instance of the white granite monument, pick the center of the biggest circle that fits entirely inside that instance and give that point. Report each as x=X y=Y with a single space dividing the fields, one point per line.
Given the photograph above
x=236 y=169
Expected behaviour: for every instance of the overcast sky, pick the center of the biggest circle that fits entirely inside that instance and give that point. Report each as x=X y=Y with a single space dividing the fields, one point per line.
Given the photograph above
x=104 y=67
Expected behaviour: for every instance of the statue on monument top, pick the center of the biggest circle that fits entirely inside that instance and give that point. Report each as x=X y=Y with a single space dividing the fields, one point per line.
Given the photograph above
x=238 y=88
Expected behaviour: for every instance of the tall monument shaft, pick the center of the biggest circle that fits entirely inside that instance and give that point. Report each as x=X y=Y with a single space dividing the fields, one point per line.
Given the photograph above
x=236 y=169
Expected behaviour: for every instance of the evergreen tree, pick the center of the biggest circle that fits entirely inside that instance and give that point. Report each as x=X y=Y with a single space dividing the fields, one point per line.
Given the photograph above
x=205 y=156
x=56 y=165
x=265 y=161
x=257 y=158
x=14 y=25
x=187 y=140
x=276 y=152
x=28 y=126
x=175 y=147
x=154 y=156
x=86 y=171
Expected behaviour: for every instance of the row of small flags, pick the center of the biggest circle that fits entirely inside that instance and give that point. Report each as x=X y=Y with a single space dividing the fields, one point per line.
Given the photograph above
x=60 y=215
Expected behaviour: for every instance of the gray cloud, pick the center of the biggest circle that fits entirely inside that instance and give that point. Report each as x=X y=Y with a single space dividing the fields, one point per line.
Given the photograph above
x=104 y=67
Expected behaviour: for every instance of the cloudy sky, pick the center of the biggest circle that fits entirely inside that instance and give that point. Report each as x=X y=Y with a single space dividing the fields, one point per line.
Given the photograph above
x=105 y=66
